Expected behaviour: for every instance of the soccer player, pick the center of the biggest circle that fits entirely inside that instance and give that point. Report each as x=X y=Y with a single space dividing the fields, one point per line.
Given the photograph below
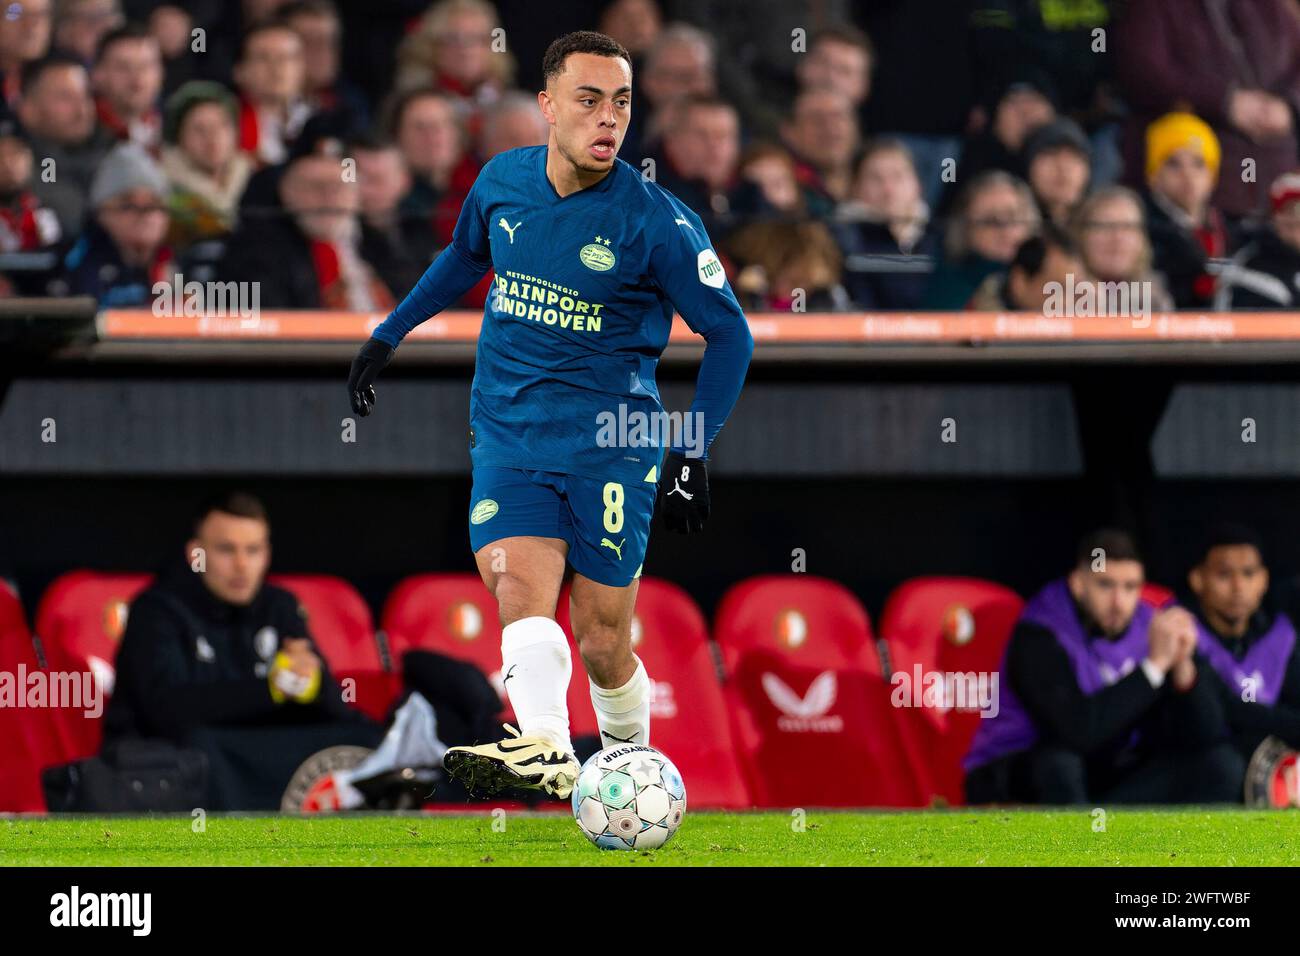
x=1100 y=698
x=591 y=260
x=1251 y=650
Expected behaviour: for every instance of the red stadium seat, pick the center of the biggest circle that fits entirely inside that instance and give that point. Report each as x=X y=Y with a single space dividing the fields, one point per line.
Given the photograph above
x=20 y=785
x=79 y=623
x=688 y=712
x=820 y=619
x=341 y=625
x=937 y=625
x=451 y=614
x=810 y=709
x=1157 y=595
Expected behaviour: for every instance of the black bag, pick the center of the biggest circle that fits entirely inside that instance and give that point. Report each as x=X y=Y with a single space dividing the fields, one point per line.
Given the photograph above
x=130 y=776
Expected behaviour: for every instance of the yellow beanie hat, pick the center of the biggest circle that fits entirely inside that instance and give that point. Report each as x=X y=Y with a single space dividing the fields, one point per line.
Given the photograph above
x=1175 y=131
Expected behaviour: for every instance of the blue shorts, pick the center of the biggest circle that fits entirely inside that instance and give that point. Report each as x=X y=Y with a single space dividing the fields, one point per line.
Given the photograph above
x=605 y=523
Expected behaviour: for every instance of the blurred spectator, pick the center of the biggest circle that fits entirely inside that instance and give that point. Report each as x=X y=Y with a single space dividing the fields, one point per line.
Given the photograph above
x=453 y=49
x=1058 y=168
x=771 y=169
x=680 y=63
x=514 y=120
x=787 y=267
x=317 y=23
x=1044 y=260
x=922 y=85
x=763 y=42
x=701 y=153
x=122 y=251
x=840 y=59
x=399 y=248
x=633 y=23
x=321 y=131
x=1182 y=164
x=372 y=33
x=1055 y=47
x=314 y=243
x=271 y=76
x=80 y=25
x=24 y=38
x=424 y=125
x=822 y=132
x=1111 y=232
x=1236 y=64
x=202 y=161
x=59 y=116
x=172 y=26
x=259 y=12
x=638 y=25
x=1266 y=273
x=991 y=219
x=25 y=225
x=216 y=659
x=1019 y=110
x=885 y=223
x=127 y=79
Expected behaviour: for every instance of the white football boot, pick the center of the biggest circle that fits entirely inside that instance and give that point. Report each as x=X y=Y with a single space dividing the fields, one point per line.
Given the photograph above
x=533 y=763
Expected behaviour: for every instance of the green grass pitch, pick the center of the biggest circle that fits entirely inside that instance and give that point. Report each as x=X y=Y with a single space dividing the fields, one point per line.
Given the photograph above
x=1195 y=837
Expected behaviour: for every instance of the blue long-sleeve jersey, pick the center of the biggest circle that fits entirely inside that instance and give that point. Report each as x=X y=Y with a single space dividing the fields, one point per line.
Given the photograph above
x=580 y=311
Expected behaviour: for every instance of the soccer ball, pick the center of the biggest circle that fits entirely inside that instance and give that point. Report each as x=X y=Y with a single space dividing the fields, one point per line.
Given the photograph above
x=629 y=797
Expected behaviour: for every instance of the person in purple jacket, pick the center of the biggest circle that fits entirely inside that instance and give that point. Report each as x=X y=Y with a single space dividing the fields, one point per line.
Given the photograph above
x=1102 y=700
x=1250 y=650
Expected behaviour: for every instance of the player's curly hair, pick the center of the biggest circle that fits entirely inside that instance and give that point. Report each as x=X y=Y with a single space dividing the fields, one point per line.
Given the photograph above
x=580 y=41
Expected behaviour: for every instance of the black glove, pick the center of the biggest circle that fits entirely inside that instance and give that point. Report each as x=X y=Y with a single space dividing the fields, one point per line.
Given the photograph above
x=684 y=485
x=370 y=361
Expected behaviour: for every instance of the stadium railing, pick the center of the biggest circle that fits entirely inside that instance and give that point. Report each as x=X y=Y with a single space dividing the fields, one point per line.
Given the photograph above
x=779 y=337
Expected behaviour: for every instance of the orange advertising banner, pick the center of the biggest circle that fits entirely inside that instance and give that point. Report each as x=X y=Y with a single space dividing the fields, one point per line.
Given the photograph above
x=785 y=328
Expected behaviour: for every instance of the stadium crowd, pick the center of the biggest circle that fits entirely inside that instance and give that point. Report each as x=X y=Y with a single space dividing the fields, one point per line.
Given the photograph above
x=894 y=155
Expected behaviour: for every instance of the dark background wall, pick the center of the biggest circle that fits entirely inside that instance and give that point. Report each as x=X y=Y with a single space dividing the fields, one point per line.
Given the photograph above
x=845 y=463
x=869 y=534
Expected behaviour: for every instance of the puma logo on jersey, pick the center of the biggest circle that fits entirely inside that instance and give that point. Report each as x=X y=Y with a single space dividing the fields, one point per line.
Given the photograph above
x=616 y=548
x=510 y=230
x=678 y=489
x=683 y=222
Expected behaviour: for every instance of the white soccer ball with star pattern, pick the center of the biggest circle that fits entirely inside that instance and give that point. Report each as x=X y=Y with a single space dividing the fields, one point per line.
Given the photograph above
x=629 y=797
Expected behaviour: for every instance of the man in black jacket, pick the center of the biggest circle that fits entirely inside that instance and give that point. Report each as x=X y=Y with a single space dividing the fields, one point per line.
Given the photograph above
x=215 y=659
x=1254 y=667
x=1101 y=698
x=306 y=250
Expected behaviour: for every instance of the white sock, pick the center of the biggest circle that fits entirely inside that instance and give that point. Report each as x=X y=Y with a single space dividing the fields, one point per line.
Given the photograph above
x=536 y=666
x=623 y=713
